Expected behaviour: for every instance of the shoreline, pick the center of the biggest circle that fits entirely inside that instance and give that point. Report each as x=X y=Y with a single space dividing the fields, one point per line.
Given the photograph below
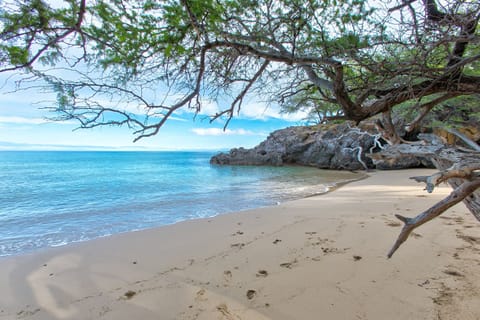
x=318 y=256
x=337 y=186
x=327 y=187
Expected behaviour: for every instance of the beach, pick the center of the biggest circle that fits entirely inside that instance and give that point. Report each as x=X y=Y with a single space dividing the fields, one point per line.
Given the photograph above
x=322 y=257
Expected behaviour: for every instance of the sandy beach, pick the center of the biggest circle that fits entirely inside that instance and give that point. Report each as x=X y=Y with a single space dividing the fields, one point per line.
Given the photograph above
x=322 y=257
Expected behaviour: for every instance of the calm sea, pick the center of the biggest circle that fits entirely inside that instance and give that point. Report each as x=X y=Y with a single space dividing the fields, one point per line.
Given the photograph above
x=55 y=198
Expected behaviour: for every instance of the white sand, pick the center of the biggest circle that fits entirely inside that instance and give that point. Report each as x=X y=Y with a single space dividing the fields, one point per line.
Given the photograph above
x=317 y=258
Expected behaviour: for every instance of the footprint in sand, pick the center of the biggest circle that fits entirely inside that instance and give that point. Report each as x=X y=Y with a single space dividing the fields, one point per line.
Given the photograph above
x=262 y=273
x=454 y=273
x=129 y=294
x=318 y=241
x=424 y=283
x=326 y=250
x=251 y=294
x=458 y=220
x=445 y=295
x=200 y=296
x=227 y=276
x=27 y=313
x=237 y=245
x=289 y=265
x=470 y=239
x=223 y=309
x=393 y=224
x=104 y=310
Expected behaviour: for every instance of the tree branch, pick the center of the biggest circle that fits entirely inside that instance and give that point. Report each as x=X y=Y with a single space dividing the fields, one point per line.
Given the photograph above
x=54 y=39
x=272 y=55
x=319 y=82
x=237 y=102
x=463 y=171
x=425 y=109
x=456 y=196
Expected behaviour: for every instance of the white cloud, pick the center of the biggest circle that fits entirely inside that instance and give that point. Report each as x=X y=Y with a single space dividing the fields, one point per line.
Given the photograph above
x=262 y=111
x=173 y=118
x=220 y=132
x=252 y=110
x=25 y=120
x=22 y=120
x=209 y=107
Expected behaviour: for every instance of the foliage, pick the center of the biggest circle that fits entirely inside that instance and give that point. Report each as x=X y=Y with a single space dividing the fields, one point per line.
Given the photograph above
x=317 y=109
x=355 y=58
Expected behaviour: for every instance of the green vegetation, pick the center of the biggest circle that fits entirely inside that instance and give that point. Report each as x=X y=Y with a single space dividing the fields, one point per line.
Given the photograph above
x=331 y=58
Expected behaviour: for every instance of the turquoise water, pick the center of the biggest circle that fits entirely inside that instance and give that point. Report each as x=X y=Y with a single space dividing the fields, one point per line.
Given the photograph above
x=55 y=198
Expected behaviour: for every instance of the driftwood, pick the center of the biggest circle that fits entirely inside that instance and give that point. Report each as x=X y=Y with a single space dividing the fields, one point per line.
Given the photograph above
x=458 y=166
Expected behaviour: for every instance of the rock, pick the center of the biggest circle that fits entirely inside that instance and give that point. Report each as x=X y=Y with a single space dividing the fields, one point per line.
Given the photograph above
x=403 y=162
x=332 y=146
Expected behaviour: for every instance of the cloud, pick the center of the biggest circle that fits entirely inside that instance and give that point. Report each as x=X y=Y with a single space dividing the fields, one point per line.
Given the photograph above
x=209 y=107
x=25 y=120
x=22 y=120
x=173 y=118
x=221 y=132
x=263 y=111
x=253 y=110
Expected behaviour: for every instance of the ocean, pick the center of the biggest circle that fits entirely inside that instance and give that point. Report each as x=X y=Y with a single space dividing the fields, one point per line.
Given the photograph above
x=55 y=198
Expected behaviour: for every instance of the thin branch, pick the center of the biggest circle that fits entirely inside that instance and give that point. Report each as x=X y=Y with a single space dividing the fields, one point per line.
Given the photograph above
x=154 y=128
x=237 y=102
x=400 y=6
x=199 y=29
x=53 y=40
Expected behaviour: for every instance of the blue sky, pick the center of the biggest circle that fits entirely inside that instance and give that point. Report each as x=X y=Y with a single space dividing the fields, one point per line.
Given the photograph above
x=24 y=125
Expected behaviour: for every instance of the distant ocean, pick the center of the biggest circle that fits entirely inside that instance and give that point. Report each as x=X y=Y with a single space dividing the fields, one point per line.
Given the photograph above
x=55 y=198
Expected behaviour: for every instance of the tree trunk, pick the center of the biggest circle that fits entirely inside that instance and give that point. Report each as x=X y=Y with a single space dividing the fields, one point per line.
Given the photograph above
x=457 y=166
x=472 y=202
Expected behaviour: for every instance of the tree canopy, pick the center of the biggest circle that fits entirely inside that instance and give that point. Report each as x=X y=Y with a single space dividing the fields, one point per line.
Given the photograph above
x=366 y=57
x=137 y=62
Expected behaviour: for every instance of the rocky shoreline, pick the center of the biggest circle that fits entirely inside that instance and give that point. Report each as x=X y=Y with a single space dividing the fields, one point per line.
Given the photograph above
x=332 y=146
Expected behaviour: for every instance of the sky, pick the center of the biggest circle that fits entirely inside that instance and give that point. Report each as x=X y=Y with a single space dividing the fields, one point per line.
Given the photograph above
x=24 y=125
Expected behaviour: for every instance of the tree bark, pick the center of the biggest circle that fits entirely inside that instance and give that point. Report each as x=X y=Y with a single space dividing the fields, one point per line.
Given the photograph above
x=458 y=166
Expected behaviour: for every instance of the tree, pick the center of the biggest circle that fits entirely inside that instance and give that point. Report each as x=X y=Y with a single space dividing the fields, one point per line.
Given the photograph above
x=306 y=99
x=366 y=57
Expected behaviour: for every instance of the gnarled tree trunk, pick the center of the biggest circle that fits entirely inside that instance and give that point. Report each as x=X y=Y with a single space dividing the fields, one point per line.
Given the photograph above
x=458 y=166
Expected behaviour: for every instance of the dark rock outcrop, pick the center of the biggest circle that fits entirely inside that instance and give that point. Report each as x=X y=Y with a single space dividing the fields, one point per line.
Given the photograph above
x=335 y=146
